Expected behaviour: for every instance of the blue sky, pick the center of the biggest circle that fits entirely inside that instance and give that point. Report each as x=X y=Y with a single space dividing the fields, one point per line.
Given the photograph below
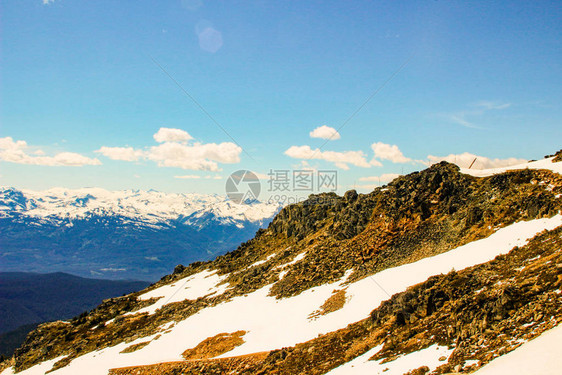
x=79 y=86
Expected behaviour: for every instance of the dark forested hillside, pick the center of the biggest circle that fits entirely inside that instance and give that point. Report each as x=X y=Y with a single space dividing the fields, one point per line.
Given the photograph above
x=27 y=299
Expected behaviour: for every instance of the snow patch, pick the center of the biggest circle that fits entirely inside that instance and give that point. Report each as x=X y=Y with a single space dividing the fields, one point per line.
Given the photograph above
x=543 y=355
x=259 y=262
x=298 y=258
x=192 y=287
x=426 y=357
x=39 y=369
x=539 y=164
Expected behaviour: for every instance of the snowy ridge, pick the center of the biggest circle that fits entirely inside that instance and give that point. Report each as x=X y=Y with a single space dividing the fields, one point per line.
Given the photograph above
x=138 y=205
x=546 y=163
x=254 y=312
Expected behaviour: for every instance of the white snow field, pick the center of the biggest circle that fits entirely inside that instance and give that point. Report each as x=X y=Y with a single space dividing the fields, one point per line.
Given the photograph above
x=201 y=284
x=274 y=323
x=542 y=355
x=426 y=357
x=539 y=164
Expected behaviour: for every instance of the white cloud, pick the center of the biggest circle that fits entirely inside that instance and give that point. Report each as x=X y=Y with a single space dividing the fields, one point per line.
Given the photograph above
x=386 y=177
x=67 y=159
x=368 y=187
x=465 y=159
x=175 y=151
x=172 y=135
x=197 y=177
x=325 y=132
x=468 y=117
x=460 y=118
x=261 y=176
x=489 y=105
x=47 y=2
x=7 y=143
x=377 y=181
x=19 y=152
x=305 y=165
x=121 y=153
x=189 y=177
x=340 y=159
x=199 y=157
x=384 y=151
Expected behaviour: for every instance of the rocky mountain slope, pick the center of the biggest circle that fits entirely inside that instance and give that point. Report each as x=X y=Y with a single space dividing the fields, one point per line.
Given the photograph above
x=121 y=234
x=438 y=271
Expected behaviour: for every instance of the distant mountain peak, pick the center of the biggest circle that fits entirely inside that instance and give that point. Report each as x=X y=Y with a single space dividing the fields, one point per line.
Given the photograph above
x=152 y=206
x=118 y=234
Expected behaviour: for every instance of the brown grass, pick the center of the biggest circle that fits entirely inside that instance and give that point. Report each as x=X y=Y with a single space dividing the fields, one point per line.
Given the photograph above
x=334 y=303
x=134 y=348
x=230 y=365
x=215 y=346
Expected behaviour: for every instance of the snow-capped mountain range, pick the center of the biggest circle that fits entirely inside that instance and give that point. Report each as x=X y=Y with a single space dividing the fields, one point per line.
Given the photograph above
x=86 y=231
x=148 y=206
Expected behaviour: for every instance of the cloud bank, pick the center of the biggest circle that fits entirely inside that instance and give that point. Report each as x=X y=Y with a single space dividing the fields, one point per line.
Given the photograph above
x=392 y=153
x=121 y=153
x=386 y=177
x=171 y=135
x=340 y=159
x=465 y=159
x=381 y=151
x=175 y=151
x=20 y=153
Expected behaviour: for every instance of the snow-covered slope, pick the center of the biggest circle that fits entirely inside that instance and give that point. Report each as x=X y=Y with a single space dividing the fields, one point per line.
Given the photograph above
x=254 y=313
x=542 y=355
